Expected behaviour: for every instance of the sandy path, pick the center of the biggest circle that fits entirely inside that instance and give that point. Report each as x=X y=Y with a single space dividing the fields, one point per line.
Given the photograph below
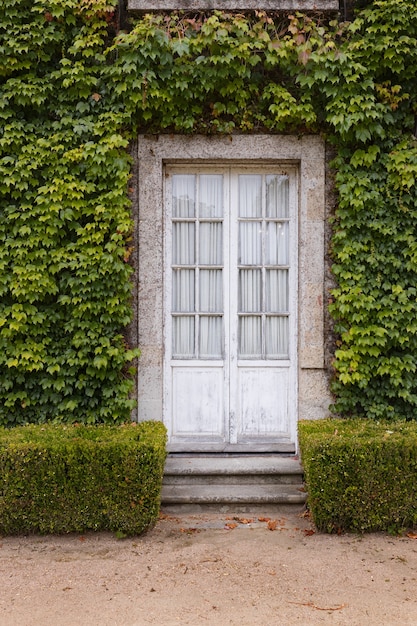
x=209 y=569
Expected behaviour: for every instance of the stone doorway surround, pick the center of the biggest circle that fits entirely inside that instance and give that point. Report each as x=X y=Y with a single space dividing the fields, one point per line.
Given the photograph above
x=307 y=153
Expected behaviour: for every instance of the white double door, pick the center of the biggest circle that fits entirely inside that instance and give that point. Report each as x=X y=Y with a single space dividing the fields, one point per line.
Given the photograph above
x=230 y=308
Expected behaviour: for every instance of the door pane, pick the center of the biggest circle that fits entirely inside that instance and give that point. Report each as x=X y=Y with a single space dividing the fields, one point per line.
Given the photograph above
x=211 y=243
x=276 y=291
x=277 y=248
x=277 y=189
x=250 y=243
x=250 y=337
x=211 y=195
x=250 y=291
x=250 y=195
x=211 y=291
x=210 y=337
x=183 y=291
x=183 y=195
x=183 y=246
x=183 y=336
x=277 y=337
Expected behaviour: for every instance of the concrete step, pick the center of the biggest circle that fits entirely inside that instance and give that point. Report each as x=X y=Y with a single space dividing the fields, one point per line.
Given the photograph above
x=232 y=483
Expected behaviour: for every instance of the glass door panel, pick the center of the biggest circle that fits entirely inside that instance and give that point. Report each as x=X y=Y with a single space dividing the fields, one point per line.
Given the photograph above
x=197 y=242
x=263 y=265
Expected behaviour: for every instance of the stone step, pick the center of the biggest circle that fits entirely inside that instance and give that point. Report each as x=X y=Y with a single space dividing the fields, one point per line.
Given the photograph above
x=241 y=494
x=233 y=470
x=232 y=483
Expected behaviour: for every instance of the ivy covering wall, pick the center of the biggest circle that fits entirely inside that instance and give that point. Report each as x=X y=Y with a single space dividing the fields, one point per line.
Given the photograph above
x=65 y=218
x=74 y=91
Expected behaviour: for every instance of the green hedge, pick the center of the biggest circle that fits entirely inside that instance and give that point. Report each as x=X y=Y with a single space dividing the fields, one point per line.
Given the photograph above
x=60 y=479
x=360 y=475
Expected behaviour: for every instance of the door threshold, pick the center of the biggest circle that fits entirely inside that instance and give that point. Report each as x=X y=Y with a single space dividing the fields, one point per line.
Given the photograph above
x=277 y=448
x=230 y=454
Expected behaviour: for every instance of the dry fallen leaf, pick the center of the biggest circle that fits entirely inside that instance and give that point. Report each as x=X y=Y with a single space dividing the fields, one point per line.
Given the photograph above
x=263 y=519
x=412 y=535
x=272 y=524
x=230 y=526
x=308 y=532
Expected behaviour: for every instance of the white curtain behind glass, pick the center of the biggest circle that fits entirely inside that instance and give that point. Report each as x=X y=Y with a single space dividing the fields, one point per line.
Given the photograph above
x=250 y=337
x=210 y=337
x=250 y=291
x=183 y=291
x=277 y=195
x=211 y=291
x=276 y=337
x=183 y=344
x=211 y=243
x=276 y=291
x=183 y=245
x=183 y=195
x=250 y=195
x=250 y=243
x=211 y=195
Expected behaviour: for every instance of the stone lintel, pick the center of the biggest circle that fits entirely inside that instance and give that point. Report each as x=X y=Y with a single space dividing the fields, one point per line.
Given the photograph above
x=233 y=5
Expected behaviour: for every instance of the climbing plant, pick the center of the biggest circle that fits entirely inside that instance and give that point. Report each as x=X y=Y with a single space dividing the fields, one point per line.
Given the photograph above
x=372 y=121
x=74 y=90
x=65 y=221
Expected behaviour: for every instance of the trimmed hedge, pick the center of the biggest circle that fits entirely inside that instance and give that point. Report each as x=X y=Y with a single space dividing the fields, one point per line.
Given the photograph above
x=61 y=479
x=360 y=475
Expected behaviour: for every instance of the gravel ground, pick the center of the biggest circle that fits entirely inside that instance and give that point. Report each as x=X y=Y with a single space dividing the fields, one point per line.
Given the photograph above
x=210 y=569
